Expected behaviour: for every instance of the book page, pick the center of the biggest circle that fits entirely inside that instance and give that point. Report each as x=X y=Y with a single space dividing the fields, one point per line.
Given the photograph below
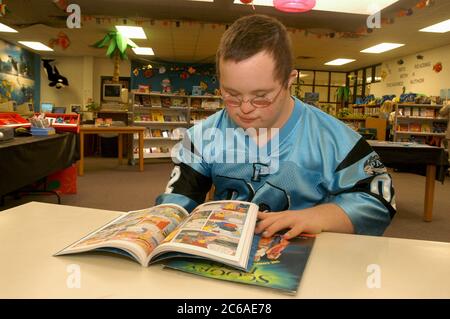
x=222 y=229
x=138 y=232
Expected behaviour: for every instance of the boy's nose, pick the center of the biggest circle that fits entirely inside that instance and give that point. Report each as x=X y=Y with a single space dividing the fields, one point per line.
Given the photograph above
x=246 y=107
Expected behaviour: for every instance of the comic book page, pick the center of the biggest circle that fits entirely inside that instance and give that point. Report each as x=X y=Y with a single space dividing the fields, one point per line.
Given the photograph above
x=137 y=232
x=221 y=231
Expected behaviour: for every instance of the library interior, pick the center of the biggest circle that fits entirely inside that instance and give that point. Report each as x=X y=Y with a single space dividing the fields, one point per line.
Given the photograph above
x=131 y=114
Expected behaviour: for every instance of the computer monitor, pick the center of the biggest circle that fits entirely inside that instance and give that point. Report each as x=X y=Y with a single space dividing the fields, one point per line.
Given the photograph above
x=59 y=109
x=47 y=107
x=111 y=92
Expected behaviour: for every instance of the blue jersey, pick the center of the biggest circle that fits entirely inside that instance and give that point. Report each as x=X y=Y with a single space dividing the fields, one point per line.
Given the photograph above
x=317 y=159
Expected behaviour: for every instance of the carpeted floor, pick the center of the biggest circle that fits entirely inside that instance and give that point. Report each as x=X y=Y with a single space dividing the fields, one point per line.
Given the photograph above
x=106 y=185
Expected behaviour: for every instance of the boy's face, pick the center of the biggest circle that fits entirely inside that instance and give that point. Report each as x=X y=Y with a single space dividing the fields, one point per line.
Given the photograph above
x=252 y=78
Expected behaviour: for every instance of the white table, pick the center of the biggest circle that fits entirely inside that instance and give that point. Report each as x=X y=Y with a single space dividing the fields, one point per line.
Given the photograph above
x=30 y=234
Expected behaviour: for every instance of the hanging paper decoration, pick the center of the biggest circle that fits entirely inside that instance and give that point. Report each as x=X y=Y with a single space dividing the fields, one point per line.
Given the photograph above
x=191 y=70
x=2 y=9
x=421 y=4
x=248 y=2
x=184 y=75
x=136 y=72
x=162 y=70
x=148 y=73
x=62 y=40
x=294 y=5
x=61 y=4
x=437 y=67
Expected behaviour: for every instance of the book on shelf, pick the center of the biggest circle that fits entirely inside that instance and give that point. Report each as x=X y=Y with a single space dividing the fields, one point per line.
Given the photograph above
x=210 y=103
x=157 y=116
x=166 y=101
x=222 y=231
x=439 y=127
x=426 y=128
x=407 y=111
x=428 y=113
x=166 y=133
x=196 y=103
x=278 y=264
x=415 y=127
x=403 y=127
x=179 y=101
x=156 y=133
x=155 y=101
x=164 y=149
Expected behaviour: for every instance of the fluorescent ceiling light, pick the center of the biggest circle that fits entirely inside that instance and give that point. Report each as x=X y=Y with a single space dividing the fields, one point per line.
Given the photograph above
x=382 y=47
x=133 y=45
x=340 y=61
x=440 y=27
x=366 y=7
x=143 y=51
x=5 y=28
x=38 y=46
x=131 y=32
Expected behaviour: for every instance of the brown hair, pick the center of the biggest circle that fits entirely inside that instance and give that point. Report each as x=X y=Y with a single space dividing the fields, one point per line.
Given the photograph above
x=252 y=34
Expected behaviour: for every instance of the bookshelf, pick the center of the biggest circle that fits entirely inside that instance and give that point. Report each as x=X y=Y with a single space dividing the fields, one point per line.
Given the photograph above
x=165 y=117
x=419 y=123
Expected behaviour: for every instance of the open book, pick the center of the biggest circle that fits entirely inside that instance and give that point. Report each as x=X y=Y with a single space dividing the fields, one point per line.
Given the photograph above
x=222 y=231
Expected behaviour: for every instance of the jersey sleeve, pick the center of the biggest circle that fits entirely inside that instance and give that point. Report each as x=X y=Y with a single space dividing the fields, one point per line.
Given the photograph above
x=362 y=187
x=190 y=179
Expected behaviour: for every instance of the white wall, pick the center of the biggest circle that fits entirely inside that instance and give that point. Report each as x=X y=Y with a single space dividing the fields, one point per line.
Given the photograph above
x=417 y=76
x=84 y=75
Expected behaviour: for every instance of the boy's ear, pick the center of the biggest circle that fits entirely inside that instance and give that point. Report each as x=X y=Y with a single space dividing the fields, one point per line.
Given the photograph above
x=292 y=77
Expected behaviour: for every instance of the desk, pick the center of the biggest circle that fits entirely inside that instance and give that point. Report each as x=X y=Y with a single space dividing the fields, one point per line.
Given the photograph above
x=433 y=159
x=92 y=129
x=337 y=267
x=25 y=160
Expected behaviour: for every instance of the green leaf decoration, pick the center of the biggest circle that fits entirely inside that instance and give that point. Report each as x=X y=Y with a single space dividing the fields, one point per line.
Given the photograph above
x=111 y=48
x=121 y=43
x=123 y=55
x=103 y=42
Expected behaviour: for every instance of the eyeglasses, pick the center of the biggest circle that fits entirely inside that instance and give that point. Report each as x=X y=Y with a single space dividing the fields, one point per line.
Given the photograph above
x=257 y=101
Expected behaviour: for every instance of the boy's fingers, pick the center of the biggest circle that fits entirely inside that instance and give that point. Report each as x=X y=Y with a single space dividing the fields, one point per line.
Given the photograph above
x=263 y=224
x=293 y=232
x=278 y=225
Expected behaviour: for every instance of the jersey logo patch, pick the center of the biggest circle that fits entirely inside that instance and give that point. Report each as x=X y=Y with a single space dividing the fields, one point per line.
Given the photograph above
x=373 y=166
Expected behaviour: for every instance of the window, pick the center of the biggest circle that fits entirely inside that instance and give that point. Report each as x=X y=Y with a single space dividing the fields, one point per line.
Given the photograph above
x=306 y=77
x=322 y=78
x=337 y=79
x=323 y=93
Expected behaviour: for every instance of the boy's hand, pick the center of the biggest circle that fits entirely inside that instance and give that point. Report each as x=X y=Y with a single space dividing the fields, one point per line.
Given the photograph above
x=325 y=217
x=298 y=221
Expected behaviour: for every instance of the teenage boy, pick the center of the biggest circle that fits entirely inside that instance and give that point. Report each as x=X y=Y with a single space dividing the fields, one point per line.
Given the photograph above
x=319 y=176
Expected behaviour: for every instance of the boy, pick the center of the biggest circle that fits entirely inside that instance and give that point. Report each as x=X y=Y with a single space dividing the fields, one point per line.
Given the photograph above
x=319 y=175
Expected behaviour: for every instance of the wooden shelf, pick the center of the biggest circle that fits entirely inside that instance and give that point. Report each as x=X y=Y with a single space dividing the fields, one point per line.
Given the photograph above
x=159 y=123
x=420 y=133
x=441 y=119
x=420 y=105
